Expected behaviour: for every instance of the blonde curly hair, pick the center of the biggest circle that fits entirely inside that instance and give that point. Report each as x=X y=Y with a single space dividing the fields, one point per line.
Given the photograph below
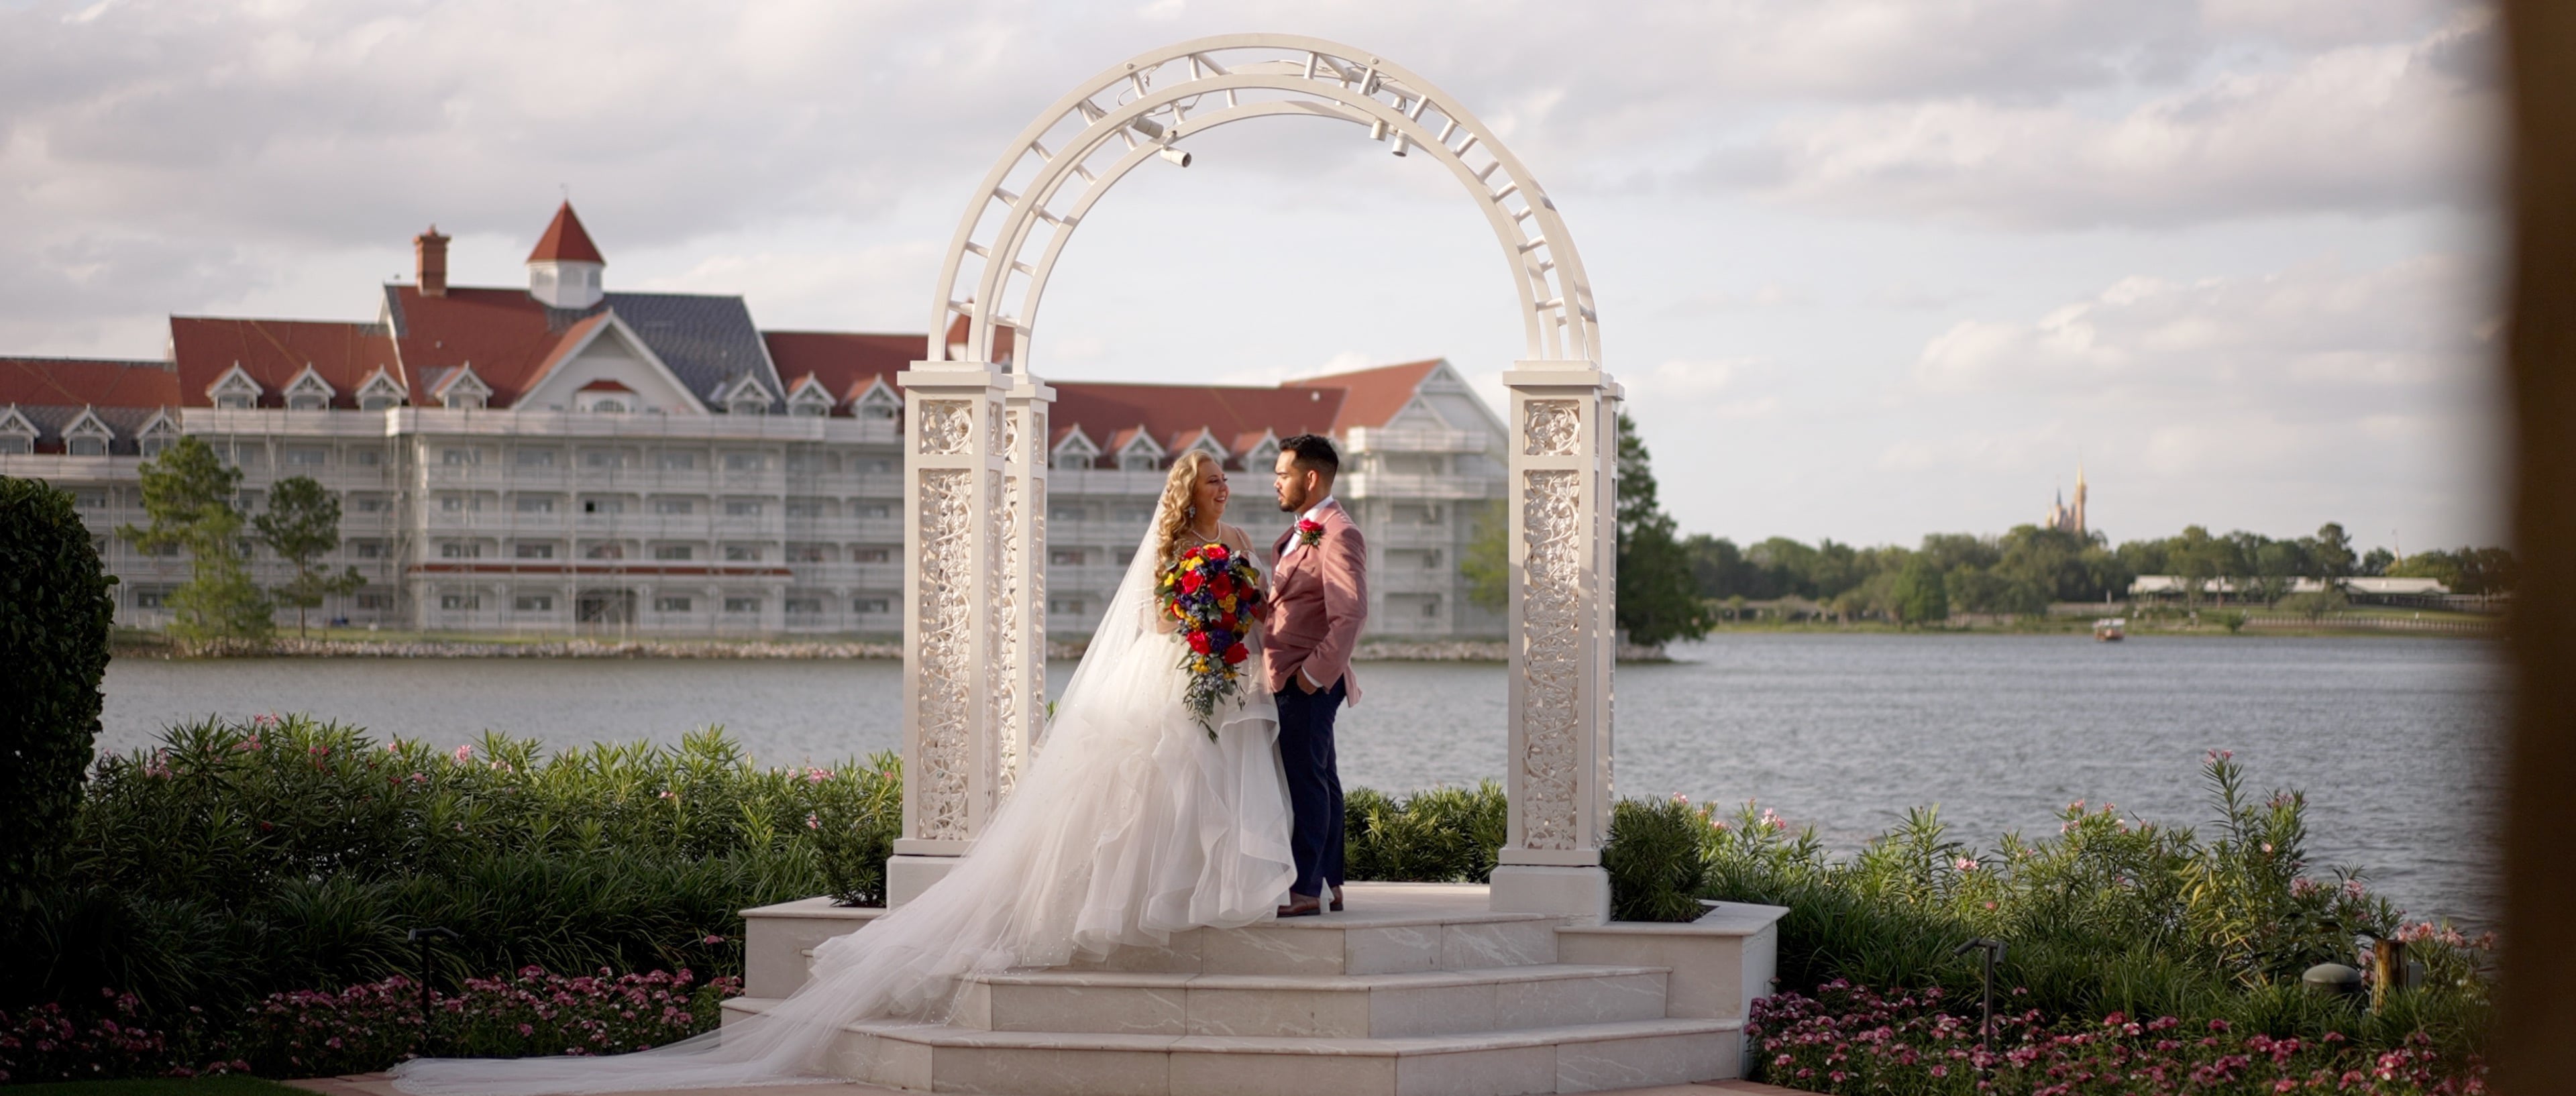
x=1173 y=529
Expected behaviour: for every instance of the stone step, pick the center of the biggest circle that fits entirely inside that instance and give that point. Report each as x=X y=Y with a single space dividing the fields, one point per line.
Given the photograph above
x=1390 y=928
x=1569 y=1058
x=1341 y=1006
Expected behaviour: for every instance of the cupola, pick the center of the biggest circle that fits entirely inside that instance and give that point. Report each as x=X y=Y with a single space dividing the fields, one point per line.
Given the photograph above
x=564 y=271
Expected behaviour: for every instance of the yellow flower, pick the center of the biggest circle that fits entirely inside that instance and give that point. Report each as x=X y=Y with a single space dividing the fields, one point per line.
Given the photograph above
x=1226 y=603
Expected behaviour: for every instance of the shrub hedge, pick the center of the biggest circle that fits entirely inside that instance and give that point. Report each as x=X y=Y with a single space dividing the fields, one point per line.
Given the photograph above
x=55 y=611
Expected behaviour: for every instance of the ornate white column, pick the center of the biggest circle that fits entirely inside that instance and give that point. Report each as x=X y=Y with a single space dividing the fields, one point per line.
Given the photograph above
x=957 y=594
x=1564 y=638
x=1021 y=701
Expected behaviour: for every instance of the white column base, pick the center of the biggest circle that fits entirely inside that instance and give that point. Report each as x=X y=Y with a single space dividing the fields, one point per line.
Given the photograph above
x=1580 y=895
x=908 y=876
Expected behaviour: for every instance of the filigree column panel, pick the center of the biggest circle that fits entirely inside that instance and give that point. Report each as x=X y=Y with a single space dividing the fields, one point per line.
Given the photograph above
x=1022 y=696
x=1563 y=493
x=956 y=599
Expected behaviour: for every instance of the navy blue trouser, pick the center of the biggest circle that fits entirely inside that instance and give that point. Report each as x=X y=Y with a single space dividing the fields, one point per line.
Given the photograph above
x=1314 y=786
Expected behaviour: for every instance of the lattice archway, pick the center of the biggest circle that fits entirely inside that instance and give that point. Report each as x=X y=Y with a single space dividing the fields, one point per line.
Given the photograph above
x=976 y=450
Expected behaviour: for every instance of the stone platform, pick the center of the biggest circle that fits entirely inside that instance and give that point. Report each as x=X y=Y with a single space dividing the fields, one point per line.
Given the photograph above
x=1418 y=990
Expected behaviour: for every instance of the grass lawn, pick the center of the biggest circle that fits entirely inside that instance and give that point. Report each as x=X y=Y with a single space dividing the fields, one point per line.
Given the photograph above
x=230 y=1084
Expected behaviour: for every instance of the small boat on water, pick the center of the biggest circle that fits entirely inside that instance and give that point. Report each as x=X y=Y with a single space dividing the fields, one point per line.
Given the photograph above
x=2111 y=629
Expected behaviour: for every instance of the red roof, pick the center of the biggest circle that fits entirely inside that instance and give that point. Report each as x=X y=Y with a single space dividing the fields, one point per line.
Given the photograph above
x=1002 y=337
x=845 y=363
x=504 y=333
x=204 y=348
x=565 y=242
x=604 y=384
x=1109 y=413
x=1376 y=395
x=71 y=382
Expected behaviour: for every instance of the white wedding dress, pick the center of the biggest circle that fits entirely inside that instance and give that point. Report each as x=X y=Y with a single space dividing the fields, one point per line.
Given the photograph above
x=1129 y=825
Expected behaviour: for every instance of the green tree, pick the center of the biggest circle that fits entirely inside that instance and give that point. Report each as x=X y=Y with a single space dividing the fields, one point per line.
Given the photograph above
x=302 y=525
x=2330 y=554
x=1659 y=598
x=2276 y=568
x=55 y=610
x=188 y=494
x=1919 y=593
x=1487 y=563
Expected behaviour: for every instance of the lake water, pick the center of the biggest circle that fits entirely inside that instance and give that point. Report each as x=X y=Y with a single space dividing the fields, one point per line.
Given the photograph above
x=2395 y=741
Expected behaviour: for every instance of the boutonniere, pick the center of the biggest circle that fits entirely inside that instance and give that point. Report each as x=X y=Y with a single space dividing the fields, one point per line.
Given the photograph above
x=1310 y=532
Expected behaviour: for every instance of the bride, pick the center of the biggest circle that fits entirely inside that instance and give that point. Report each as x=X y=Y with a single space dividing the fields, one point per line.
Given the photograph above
x=1129 y=825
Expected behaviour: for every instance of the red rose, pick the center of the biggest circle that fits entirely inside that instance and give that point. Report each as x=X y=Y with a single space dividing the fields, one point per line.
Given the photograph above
x=1190 y=582
x=1309 y=531
x=1223 y=585
x=1237 y=654
x=1199 y=642
x=1216 y=551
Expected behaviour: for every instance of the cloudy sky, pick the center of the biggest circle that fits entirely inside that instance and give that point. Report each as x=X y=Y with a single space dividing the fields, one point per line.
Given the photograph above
x=1868 y=268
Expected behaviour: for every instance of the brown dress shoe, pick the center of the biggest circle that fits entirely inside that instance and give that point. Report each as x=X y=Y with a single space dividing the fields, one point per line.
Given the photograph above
x=1301 y=906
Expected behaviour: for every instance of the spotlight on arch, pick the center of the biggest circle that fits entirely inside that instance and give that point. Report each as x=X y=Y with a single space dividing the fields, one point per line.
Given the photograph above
x=1400 y=142
x=1152 y=129
x=1377 y=129
x=1175 y=155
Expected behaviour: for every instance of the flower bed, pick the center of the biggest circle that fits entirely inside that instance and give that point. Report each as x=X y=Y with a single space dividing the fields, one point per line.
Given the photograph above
x=1850 y=1039
x=366 y=1027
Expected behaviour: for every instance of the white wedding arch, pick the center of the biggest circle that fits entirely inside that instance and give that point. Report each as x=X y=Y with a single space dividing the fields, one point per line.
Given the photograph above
x=976 y=449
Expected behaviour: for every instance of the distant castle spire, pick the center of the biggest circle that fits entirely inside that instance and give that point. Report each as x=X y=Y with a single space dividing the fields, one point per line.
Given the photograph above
x=2066 y=518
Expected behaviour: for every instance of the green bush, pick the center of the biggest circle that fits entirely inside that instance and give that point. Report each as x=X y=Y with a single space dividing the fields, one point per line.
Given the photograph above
x=55 y=612
x=1440 y=835
x=239 y=859
x=1653 y=857
x=2109 y=915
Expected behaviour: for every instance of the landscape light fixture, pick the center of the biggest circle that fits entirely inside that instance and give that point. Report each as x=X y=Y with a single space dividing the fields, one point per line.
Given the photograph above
x=1175 y=155
x=1152 y=129
x=1377 y=129
x=1400 y=142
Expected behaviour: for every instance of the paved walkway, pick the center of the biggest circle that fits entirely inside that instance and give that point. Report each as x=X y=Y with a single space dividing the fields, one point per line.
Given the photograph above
x=378 y=1084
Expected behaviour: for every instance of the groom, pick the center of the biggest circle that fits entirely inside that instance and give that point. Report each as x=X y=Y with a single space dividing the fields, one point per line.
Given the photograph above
x=1319 y=597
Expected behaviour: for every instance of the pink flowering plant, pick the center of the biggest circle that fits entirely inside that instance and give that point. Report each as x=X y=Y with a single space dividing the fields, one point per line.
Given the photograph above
x=1850 y=1039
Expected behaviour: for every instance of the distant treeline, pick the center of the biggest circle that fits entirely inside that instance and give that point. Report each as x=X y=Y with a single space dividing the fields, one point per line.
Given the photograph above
x=2024 y=570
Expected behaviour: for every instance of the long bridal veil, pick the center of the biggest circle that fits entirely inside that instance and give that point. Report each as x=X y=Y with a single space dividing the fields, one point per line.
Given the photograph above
x=1128 y=825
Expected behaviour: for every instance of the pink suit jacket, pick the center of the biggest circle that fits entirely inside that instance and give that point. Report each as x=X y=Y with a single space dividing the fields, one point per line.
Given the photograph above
x=1318 y=600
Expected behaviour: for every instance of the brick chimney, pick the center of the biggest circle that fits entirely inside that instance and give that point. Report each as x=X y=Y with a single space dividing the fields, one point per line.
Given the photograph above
x=430 y=249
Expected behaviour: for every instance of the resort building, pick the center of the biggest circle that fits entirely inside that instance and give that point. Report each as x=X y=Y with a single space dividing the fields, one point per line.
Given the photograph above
x=560 y=458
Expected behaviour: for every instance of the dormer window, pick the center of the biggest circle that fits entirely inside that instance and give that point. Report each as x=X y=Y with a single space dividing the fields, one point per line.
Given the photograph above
x=1262 y=458
x=87 y=436
x=464 y=391
x=17 y=443
x=157 y=436
x=609 y=405
x=86 y=446
x=811 y=404
x=880 y=404
x=17 y=435
x=235 y=389
x=748 y=405
x=466 y=401
x=379 y=393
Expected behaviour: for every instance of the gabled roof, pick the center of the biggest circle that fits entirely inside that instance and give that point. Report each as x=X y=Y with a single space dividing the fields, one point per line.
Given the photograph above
x=88 y=382
x=1176 y=411
x=565 y=241
x=604 y=384
x=847 y=364
x=274 y=352
x=513 y=338
x=1376 y=395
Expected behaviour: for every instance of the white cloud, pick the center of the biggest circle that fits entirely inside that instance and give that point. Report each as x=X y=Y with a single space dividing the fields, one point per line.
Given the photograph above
x=2363 y=128
x=1724 y=388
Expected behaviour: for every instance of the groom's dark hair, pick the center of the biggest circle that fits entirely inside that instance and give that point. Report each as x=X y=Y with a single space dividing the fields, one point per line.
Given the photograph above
x=1314 y=453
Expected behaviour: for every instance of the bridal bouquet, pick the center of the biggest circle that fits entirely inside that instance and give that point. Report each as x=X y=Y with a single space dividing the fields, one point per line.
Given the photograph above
x=1210 y=591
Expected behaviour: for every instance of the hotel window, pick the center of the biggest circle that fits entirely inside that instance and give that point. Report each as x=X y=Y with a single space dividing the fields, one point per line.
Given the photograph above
x=460 y=601
x=876 y=466
x=1067 y=606
x=17 y=443
x=804 y=508
x=456 y=456
x=534 y=603
x=742 y=605
x=866 y=606
x=309 y=458
x=88 y=446
x=536 y=504
x=742 y=508
x=1431 y=607
x=375 y=601
x=368 y=457
x=742 y=553
x=805 y=553
x=670 y=605
x=607 y=549
x=378 y=402
x=457 y=504
x=876 y=509
x=742 y=462
x=672 y=551
x=536 y=458
x=603 y=506
x=674 y=506
x=367 y=549
x=153 y=445
x=92 y=497
x=808 y=606
x=460 y=550
x=871 y=555
x=149 y=597
x=1064 y=557
x=233 y=400
x=465 y=401
x=368 y=504
x=1139 y=462
x=536 y=551
x=603 y=458
x=678 y=462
